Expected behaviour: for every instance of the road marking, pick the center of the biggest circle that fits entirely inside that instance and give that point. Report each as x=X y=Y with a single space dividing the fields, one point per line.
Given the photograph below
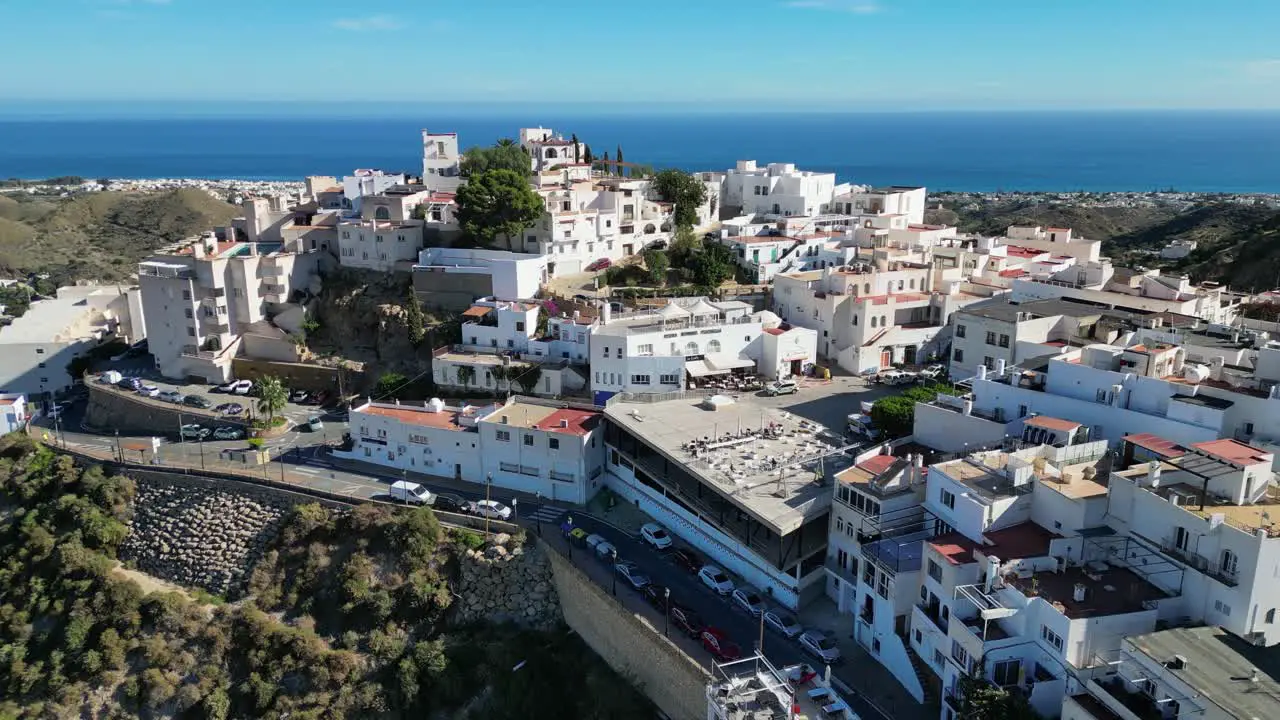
x=546 y=514
x=307 y=471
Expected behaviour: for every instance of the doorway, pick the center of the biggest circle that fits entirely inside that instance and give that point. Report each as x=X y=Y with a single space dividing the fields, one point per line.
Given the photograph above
x=886 y=358
x=628 y=249
x=909 y=355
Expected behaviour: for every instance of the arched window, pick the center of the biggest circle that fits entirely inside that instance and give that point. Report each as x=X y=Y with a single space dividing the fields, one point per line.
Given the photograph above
x=899 y=285
x=691 y=349
x=1271 y=616
x=713 y=346
x=551 y=153
x=382 y=213
x=873 y=321
x=882 y=322
x=650 y=229
x=913 y=284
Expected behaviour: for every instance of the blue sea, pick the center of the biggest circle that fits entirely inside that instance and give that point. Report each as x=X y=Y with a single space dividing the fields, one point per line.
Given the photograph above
x=1095 y=151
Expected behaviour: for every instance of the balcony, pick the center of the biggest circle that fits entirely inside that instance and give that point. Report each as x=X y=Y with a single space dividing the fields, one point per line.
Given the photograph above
x=274 y=293
x=165 y=270
x=844 y=574
x=216 y=293
x=214 y=324
x=934 y=614
x=1170 y=547
x=270 y=271
x=1226 y=575
x=983 y=631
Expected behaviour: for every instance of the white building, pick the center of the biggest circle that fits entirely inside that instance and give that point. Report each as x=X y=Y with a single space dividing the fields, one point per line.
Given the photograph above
x=481 y=273
x=552 y=450
x=378 y=245
x=596 y=219
x=498 y=325
x=548 y=149
x=1178 y=249
x=431 y=438
x=203 y=298
x=691 y=338
x=907 y=202
x=364 y=183
x=778 y=189
x=765 y=520
x=37 y=348
x=441 y=162
x=1148 y=290
x=13 y=412
x=1059 y=241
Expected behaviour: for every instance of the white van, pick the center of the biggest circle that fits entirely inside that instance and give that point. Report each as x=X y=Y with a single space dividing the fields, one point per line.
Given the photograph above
x=407 y=492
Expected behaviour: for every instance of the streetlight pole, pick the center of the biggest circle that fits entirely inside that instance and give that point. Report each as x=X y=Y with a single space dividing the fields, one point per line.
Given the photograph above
x=515 y=509
x=536 y=516
x=613 y=558
x=666 y=606
x=488 y=484
x=761 y=646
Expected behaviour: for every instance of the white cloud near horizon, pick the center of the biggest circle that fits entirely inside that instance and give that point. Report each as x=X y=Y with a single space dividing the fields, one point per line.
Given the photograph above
x=364 y=24
x=846 y=6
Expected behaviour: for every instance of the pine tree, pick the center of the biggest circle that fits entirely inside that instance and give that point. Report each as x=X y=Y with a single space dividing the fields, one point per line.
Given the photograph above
x=587 y=157
x=608 y=169
x=576 y=148
x=621 y=171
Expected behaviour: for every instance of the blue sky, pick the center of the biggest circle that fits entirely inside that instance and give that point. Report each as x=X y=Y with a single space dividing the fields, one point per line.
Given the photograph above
x=738 y=55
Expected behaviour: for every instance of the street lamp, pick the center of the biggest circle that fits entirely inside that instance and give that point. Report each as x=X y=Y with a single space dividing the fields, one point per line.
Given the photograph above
x=538 y=518
x=488 y=484
x=666 y=606
x=515 y=509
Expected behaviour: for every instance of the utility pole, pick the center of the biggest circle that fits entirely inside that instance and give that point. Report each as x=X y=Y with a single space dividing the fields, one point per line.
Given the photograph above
x=488 y=484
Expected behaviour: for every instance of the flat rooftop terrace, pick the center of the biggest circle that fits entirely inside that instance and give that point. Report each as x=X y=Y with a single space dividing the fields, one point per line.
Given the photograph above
x=762 y=459
x=1109 y=590
x=1219 y=666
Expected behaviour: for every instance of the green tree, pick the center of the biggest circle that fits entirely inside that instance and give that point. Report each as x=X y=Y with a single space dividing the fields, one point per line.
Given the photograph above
x=497 y=203
x=506 y=154
x=272 y=396
x=683 y=190
x=577 y=149
x=618 y=159
x=895 y=415
x=683 y=247
x=713 y=265
x=528 y=378
x=658 y=264
x=980 y=700
x=389 y=383
x=587 y=157
x=415 y=319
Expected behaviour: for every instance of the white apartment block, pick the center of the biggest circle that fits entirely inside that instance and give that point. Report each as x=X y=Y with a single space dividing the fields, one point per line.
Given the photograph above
x=496 y=273
x=499 y=326
x=200 y=300
x=777 y=189
x=378 y=245
x=659 y=351
x=365 y=183
x=441 y=162
x=907 y=202
x=548 y=149
x=734 y=480
x=590 y=220
x=554 y=450
x=1059 y=241
x=37 y=348
x=1149 y=291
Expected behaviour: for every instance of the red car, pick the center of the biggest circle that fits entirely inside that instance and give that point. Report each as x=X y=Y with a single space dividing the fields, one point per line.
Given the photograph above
x=601 y=264
x=687 y=620
x=687 y=559
x=719 y=645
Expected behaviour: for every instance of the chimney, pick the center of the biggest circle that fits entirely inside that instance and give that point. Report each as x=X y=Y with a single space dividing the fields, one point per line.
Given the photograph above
x=982 y=372
x=564 y=423
x=197 y=249
x=1078 y=592
x=1000 y=367
x=993 y=569
x=1153 y=474
x=606 y=312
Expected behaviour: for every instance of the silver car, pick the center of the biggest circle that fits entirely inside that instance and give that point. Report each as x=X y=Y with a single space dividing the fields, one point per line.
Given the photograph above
x=783 y=623
x=821 y=645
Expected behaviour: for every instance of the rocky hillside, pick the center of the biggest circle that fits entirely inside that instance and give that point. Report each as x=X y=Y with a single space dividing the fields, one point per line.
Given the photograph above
x=1093 y=223
x=99 y=236
x=346 y=614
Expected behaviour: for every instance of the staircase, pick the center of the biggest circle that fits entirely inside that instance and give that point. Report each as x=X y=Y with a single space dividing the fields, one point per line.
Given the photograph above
x=929 y=680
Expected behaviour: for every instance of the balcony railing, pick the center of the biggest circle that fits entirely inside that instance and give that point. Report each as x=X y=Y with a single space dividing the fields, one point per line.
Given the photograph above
x=934 y=613
x=844 y=574
x=215 y=293
x=214 y=324
x=1170 y=546
x=1226 y=575
x=179 y=272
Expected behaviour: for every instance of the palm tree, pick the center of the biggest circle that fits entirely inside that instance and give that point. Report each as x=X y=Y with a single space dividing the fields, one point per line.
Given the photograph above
x=272 y=396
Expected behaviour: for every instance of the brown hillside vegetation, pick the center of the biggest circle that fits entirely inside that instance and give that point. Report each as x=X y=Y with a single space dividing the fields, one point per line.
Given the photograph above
x=99 y=236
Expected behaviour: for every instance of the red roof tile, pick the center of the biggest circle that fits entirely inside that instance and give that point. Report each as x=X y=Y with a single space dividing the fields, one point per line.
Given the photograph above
x=1156 y=444
x=1019 y=251
x=954 y=548
x=577 y=422
x=1013 y=272
x=774 y=331
x=877 y=464
x=1233 y=451
x=1051 y=423
x=446 y=420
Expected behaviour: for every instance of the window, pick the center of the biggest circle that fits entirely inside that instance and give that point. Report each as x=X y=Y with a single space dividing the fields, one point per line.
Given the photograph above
x=399 y=238
x=899 y=286
x=1222 y=607
x=188 y=313
x=640 y=380
x=935 y=572
x=1004 y=341
x=958 y=355
x=1271 y=616
x=186 y=294
x=868 y=574
x=991 y=338
x=1229 y=563
x=882 y=589
x=960 y=655
x=882 y=322
x=1022 y=411
x=669 y=379
x=1181 y=538
x=873 y=321
x=988 y=362
x=960 y=331
x=948 y=498
x=377 y=238
x=1005 y=672
x=528 y=440
x=842 y=559
x=912 y=284
x=1100 y=396
x=1051 y=637
x=713 y=346
x=503 y=435
x=191 y=332
x=839 y=525
x=553 y=443
x=646 y=349
x=519 y=327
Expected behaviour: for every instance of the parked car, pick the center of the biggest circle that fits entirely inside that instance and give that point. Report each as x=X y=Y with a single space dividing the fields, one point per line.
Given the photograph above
x=299 y=396
x=129 y=383
x=686 y=559
x=110 y=377
x=781 y=387
x=717 y=642
x=197 y=401
x=323 y=397
x=783 y=623
x=655 y=536
x=491 y=509
x=657 y=596
x=817 y=642
x=172 y=396
x=195 y=432
x=230 y=408
x=657 y=245
x=138 y=349
x=687 y=620
x=934 y=372
x=714 y=578
x=448 y=502
x=601 y=264
x=149 y=391
x=242 y=387
x=603 y=549
x=895 y=377
x=228 y=432
x=227 y=387
x=314 y=424
x=749 y=600
x=631 y=572
x=593 y=540
x=410 y=492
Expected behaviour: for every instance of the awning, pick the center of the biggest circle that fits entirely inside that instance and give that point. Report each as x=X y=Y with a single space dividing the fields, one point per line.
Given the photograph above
x=477 y=311
x=698 y=368
x=724 y=361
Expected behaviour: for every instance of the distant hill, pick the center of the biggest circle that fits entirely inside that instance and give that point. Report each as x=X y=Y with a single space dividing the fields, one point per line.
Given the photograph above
x=99 y=236
x=1095 y=223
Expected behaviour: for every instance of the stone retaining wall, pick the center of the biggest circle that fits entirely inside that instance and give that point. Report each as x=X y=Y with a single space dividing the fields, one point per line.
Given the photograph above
x=633 y=648
x=508 y=583
x=132 y=414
